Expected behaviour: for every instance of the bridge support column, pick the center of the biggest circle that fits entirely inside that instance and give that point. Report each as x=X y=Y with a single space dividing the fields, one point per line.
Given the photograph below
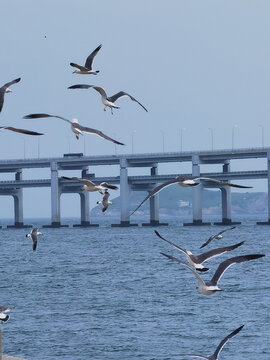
x=85 y=213
x=124 y=195
x=154 y=205
x=18 y=205
x=226 y=201
x=55 y=198
x=268 y=178
x=196 y=196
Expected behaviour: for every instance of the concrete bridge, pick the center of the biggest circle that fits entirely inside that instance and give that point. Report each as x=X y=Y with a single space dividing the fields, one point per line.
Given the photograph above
x=128 y=183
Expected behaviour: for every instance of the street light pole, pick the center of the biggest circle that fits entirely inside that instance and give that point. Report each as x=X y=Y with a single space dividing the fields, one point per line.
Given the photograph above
x=212 y=138
x=262 y=128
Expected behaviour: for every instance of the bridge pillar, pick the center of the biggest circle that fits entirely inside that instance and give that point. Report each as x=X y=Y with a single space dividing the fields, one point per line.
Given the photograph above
x=124 y=195
x=154 y=204
x=18 y=205
x=84 y=199
x=196 y=196
x=55 y=198
x=226 y=201
x=268 y=178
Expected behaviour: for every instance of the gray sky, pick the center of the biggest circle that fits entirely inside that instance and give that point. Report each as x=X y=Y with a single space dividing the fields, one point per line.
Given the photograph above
x=202 y=66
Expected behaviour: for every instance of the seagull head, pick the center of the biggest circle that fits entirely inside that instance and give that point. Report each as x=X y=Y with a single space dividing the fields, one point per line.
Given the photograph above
x=75 y=121
x=8 y=90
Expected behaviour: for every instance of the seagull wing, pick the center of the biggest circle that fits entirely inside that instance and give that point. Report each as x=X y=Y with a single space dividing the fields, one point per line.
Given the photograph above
x=83 y=181
x=89 y=60
x=11 y=83
x=34 y=245
x=5 y=308
x=121 y=94
x=208 y=241
x=229 y=262
x=174 y=245
x=80 y=86
x=3 y=90
x=216 y=252
x=22 y=131
x=42 y=115
x=95 y=132
x=108 y=186
x=223 y=182
x=223 y=342
x=223 y=231
x=80 y=67
x=155 y=191
x=200 y=280
x=101 y=91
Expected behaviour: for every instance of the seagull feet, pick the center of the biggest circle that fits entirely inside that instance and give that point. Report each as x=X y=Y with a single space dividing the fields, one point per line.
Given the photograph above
x=104 y=108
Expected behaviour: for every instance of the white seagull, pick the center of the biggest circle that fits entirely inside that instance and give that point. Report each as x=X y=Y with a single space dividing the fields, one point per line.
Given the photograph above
x=34 y=236
x=87 y=68
x=3 y=316
x=186 y=181
x=107 y=101
x=211 y=287
x=75 y=127
x=217 y=236
x=105 y=202
x=90 y=186
x=197 y=260
x=5 y=89
x=218 y=349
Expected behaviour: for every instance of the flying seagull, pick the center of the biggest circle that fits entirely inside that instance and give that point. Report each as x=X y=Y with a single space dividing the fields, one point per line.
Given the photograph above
x=3 y=316
x=5 y=89
x=218 y=349
x=217 y=236
x=22 y=131
x=107 y=101
x=90 y=186
x=105 y=202
x=210 y=287
x=34 y=235
x=87 y=68
x=186 y=181
x=197 y=260
x=75 y=127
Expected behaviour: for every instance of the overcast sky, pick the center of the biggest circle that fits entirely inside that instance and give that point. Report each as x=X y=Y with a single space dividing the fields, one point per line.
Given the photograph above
x=199 y=66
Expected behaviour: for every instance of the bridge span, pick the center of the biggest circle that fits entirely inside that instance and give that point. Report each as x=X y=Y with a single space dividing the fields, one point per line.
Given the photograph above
x=128 y=183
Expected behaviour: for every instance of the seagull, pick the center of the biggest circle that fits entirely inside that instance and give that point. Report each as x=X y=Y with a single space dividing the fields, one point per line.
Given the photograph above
x=87 y=68
x=90 y=186
x=75 y=127
x=3 y=316
x=210 y=287
x=107 y=101
x=197 y=260
x=5 y=89
x=217 y=236
x=186 y=181
x=105 y=202
x=34 y=235
x=22 y=131
x=218 y=349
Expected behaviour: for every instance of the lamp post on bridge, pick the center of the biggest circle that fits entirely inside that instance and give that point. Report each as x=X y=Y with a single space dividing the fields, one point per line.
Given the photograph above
x=212 y=138
x=262 y=133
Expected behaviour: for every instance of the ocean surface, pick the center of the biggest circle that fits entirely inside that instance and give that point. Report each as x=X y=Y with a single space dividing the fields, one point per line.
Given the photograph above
x=108 y=293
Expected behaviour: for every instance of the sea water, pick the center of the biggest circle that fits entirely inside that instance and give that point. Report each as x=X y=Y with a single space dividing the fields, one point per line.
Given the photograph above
x=108 y=293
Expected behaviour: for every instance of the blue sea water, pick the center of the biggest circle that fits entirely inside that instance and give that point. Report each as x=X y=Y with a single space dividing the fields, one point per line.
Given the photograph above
x=108 y=293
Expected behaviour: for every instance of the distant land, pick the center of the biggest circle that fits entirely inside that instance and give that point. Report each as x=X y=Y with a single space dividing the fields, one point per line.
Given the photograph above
x=175 y=200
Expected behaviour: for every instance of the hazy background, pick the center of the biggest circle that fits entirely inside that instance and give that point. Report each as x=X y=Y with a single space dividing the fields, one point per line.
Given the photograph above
x=199 y=66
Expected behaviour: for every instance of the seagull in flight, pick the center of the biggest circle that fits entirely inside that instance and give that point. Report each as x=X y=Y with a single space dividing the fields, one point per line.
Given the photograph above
x=218 y=349
x=3 y=310
x=34 y=236
x=22 y=131
x=211 y=287
x=217 y=236
x=105 y=202
x=90 y=186
x=197 y=260
x=75 y=127
x=107 y=101
x=186 y=181
x=87 y=68
x=5 y=89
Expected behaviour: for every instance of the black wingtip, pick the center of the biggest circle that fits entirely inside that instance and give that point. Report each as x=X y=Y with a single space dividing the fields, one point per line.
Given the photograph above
x=203 y=270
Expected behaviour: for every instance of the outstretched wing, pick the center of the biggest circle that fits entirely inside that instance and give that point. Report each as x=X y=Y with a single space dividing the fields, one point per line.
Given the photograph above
x=89 y=60
x=223 y=231
x=121 y=94
x=3 y=90
x=80 y=86
x=83 y=181
x=43 y=115
x=95 y=132
x=22 y=131
x=217 y=252
x=80 y=67
x=108 y=186
x=223 y=182
x=11 y=83
x=223 y=342
x=174 y=245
